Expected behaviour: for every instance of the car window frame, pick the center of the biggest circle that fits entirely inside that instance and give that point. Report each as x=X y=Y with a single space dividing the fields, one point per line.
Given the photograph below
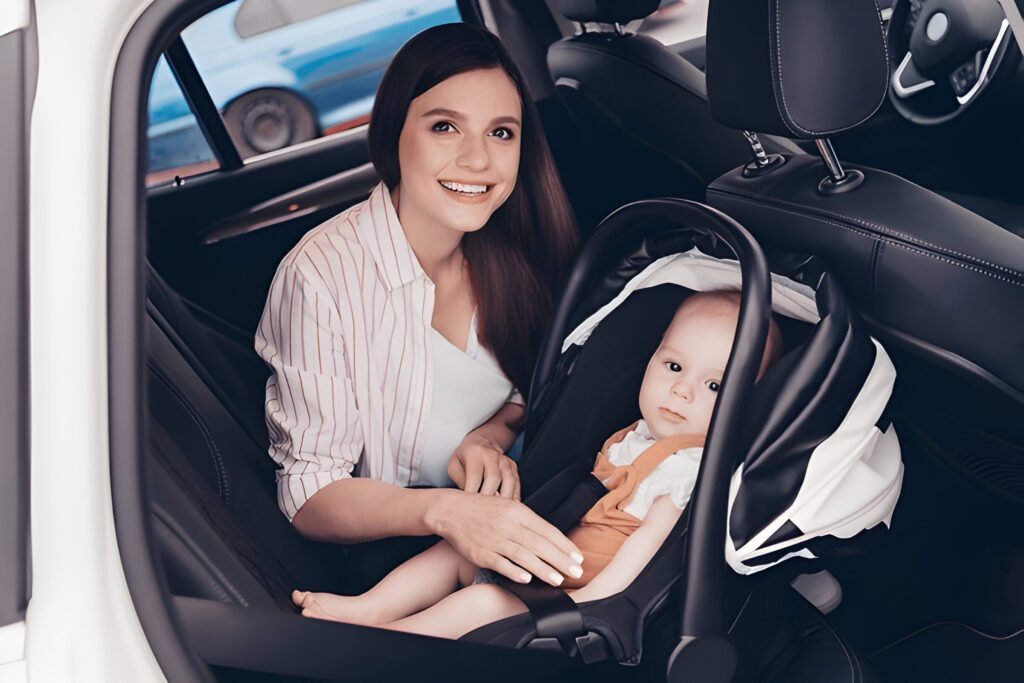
x=17 y=83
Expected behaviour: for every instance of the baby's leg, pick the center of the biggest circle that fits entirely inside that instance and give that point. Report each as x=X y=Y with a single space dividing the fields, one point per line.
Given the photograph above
x=414 y=585
x=461 y=612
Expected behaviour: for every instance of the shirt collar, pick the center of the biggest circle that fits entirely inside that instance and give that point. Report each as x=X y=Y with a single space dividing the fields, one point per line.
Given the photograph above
x=642 y=431
x=382 y=235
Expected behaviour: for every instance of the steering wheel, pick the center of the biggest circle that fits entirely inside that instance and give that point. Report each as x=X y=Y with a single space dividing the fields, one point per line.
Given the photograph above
x=946 y=53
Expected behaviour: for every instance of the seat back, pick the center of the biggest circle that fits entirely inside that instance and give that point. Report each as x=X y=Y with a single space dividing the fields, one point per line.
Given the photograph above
x=219 y=529
x=641 y=111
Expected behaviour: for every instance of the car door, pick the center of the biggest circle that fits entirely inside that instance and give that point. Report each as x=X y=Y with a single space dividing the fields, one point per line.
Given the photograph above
x=216 y=235
x=17 y=80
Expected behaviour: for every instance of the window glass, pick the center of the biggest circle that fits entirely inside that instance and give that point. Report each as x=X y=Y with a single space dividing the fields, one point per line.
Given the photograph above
x=177 y=146
x=281 y=72
x=675 y=21
x=257 y=16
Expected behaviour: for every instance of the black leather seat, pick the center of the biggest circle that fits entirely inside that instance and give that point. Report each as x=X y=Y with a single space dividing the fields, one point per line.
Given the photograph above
x=222 y=355
x=218 y=527
x=641 y=111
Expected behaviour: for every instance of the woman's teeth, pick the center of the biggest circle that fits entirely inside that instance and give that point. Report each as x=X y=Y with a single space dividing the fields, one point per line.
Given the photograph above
x=465 y=189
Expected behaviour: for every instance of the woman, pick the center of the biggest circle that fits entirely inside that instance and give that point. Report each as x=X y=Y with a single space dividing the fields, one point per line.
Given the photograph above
x=399 y=330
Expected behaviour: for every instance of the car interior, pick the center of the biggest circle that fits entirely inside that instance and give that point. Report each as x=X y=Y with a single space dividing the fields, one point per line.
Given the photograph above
x=843 y=136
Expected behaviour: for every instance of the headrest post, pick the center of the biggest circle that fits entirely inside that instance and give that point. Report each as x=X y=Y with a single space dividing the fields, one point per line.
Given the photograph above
x=838 y=180
x=762 y=163
x=760 y=158
x=828 y=155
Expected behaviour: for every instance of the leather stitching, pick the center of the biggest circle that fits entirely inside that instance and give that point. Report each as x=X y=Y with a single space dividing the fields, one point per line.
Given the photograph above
x=223 y=482
x=910 y=238
x=781 y=90
x=213 y=577
x=925 y=243
x=876 y=256
x=901 y=245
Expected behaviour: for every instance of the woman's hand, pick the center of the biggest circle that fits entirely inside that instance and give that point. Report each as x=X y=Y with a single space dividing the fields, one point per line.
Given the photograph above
x=479 y=464
x=504 y=535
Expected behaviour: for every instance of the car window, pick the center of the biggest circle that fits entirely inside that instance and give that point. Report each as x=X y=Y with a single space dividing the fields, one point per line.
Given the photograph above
x=281 y=73
x=257 y=16
x=675 y=21
x=177 y=146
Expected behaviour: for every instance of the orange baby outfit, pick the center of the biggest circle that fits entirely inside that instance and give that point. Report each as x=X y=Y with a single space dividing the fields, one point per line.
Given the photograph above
x=606 y=526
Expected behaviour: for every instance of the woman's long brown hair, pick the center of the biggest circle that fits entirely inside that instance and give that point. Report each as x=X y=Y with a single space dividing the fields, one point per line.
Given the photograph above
x=518 y=261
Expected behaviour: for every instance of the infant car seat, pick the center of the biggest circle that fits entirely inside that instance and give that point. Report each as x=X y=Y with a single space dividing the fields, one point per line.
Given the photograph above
x=805 y=457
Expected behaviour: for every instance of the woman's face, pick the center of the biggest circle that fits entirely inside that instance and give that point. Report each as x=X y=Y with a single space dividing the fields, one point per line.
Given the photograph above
x=458 y=152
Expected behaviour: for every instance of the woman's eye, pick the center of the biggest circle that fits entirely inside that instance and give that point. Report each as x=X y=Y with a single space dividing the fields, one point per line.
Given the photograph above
x=503 y=133
x=442 y=127
x=713 y=385
x=673 y=366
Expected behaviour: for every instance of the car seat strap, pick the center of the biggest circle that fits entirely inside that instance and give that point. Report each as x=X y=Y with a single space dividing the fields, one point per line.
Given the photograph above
x=558 y=622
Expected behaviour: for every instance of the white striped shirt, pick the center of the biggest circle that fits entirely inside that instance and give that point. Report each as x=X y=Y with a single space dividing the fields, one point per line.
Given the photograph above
x=346 y=330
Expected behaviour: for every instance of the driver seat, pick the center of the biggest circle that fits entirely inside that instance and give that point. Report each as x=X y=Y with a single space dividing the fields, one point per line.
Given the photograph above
x=641 y=111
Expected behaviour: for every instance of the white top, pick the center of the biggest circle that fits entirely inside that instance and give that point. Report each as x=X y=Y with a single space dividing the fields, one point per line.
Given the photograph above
x=469 y=387
x=346 y=331
x=674 y=476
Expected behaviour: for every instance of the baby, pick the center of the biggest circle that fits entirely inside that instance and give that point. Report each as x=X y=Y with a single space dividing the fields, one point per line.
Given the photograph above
x=649 y=469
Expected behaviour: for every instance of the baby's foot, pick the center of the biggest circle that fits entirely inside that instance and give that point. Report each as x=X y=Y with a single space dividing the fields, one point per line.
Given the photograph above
x=313 y=611
x=346 y=608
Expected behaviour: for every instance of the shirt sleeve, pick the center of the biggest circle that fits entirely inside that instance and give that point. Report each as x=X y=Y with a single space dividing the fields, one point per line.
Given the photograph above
x=312 y=417
x=684 y=466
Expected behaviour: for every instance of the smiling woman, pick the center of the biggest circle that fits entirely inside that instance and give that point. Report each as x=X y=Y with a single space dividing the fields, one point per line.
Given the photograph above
x=400 y=330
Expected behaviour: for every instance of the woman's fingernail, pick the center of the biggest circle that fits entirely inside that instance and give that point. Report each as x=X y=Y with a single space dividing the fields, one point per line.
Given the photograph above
x=576 y=571
x=525 y=577
x=555 y=579
x=576 y=556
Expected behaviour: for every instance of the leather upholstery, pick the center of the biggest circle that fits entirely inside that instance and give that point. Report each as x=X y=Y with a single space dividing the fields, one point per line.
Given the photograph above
x=605 y=11
x=796 y=68
x=643 y=121
x=800 y=646
x=927 y=271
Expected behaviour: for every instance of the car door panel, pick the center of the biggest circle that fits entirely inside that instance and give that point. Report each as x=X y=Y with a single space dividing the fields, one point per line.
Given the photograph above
x=217 y=239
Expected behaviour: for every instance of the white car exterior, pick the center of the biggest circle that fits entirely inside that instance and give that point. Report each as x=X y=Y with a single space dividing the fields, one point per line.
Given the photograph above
x=80 y=624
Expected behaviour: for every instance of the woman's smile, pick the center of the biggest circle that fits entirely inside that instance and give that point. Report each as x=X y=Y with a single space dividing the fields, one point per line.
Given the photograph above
x=470 y=193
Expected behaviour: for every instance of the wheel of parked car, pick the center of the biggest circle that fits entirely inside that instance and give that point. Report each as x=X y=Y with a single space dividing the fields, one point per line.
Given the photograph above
x=268 y=119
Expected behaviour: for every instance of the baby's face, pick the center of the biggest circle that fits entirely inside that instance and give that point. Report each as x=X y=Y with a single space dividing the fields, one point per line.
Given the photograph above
x=683 y=376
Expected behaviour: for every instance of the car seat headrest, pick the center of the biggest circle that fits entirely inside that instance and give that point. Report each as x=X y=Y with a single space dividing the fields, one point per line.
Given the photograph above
x=799 y=68
x=606 y=11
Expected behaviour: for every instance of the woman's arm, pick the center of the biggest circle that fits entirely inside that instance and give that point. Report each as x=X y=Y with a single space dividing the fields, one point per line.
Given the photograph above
x=360 y=509
x=480 y=463
x=489 y=531
x=634 y=554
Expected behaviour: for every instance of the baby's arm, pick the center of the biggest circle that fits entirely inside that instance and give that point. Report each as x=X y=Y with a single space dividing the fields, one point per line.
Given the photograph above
x=634 y=554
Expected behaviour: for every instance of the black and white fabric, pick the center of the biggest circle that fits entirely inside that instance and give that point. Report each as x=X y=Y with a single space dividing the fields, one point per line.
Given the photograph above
x=822 y=458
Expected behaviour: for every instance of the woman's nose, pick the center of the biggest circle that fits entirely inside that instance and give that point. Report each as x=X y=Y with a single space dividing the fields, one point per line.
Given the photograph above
x=473 y=154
